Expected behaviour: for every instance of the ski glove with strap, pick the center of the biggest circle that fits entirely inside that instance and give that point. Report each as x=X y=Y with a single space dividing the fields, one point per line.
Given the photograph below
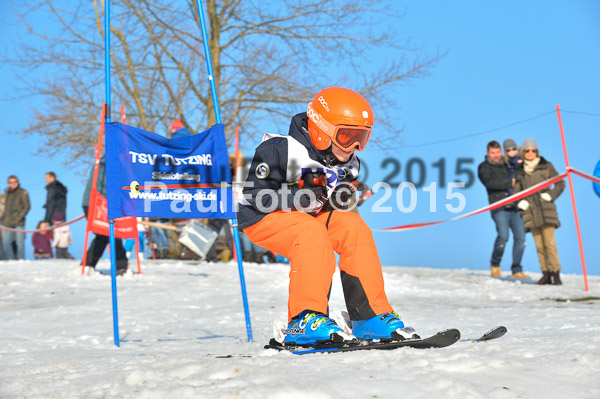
x=314 y=187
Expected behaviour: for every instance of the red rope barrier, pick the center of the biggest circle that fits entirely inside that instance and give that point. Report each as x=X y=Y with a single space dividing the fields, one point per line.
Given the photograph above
x=498 y=204
x=585 y=175
x=77 y=219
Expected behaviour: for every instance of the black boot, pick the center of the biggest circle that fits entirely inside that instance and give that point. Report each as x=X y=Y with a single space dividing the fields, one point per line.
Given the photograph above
x=556 y=278
x=546 y=279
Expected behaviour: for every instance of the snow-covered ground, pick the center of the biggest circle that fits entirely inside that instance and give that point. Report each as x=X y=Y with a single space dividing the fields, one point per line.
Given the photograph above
x=56 y=336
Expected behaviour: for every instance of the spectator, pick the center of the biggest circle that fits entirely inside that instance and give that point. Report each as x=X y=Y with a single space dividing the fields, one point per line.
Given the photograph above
x=42 y=249
x=217 y=225
x=159 y=239
x=2 y=207
x=493 y=173
x=16 y=207
x=512 y=160
x=56 y=199
x=99 y=243
x=177 y=130
x=62 y=238
x=539 y=211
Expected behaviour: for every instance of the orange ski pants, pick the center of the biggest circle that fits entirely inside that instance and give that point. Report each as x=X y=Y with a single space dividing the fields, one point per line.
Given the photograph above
x=309 y=243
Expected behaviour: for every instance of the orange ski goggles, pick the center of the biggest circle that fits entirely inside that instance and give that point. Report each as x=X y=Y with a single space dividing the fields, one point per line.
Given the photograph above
x=344 y=136
x=347 y=137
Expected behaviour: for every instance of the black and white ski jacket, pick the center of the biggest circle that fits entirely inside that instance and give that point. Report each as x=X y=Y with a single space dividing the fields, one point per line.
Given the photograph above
x=279 y=163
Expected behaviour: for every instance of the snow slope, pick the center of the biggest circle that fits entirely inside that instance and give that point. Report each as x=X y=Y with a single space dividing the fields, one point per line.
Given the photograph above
x=56 y=336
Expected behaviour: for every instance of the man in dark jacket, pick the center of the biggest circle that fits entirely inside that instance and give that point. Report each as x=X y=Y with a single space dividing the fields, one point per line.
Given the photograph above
x=493 y=173
x=16 y=207
x=56 y=199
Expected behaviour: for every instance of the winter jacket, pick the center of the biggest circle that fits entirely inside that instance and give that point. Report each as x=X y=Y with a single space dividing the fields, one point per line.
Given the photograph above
x=540 y=212
x=16 y=207
x=3 y=205
x=496 y=180
x=56 y=200
x=41 y=244
x=100 y=183
x=279 y=163
x=62 y=237
x=183 y=132
x=513 y=164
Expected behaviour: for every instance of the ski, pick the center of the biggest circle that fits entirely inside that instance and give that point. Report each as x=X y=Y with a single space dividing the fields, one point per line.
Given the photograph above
x=494 y=333
x=440 y=340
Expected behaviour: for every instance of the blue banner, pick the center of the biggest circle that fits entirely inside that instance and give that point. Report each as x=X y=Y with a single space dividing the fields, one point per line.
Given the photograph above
x=148 y=175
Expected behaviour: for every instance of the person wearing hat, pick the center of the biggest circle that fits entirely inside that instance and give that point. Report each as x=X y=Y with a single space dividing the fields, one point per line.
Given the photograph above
x=177 y=130
x=61 y=238
x=494 y=175
x=539 y=211
x=512 y=160
x=295 y=203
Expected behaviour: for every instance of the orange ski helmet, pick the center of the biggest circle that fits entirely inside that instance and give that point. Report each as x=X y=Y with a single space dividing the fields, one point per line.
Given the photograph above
x=339 y=115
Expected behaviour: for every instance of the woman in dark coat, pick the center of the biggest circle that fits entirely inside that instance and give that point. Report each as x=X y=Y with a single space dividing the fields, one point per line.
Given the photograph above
x=539 y=211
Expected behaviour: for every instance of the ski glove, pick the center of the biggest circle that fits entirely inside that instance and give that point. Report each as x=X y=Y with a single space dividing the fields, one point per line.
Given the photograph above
x=314 y=187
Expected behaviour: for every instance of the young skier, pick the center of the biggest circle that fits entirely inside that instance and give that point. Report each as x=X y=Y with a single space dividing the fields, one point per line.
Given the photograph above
x=294 y=204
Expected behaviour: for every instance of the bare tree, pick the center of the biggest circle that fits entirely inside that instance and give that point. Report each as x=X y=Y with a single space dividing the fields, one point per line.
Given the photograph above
x=269 y=59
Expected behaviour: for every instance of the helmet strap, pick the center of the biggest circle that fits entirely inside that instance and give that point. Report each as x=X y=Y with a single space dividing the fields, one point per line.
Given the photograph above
x=330 y=159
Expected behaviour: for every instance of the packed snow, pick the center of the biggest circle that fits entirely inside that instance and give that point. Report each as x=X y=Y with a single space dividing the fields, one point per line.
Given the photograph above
x=177 y=318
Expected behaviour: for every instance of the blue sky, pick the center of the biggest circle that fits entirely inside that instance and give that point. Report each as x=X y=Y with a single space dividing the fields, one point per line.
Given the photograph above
x=505 y=62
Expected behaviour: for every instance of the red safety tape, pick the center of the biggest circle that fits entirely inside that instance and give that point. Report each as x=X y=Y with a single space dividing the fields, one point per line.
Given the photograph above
x=77 y=219
x=495 y=205
x=498 y=204
x=583 y=174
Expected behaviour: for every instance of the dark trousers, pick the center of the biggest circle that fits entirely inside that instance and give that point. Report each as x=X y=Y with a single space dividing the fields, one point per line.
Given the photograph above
x=96 y=250
x=63 y=253
x=99 y=243
x=509 y=219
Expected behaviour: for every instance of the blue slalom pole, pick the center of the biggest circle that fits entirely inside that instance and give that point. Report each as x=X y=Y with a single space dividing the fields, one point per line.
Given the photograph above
x=111 y=222
x=234 y=223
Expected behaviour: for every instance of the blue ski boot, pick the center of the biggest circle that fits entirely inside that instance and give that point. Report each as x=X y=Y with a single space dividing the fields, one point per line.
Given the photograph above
x=314 y=329
x=385 y=327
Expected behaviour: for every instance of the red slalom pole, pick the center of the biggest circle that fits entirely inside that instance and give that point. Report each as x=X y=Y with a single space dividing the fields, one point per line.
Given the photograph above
x=562 y=136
